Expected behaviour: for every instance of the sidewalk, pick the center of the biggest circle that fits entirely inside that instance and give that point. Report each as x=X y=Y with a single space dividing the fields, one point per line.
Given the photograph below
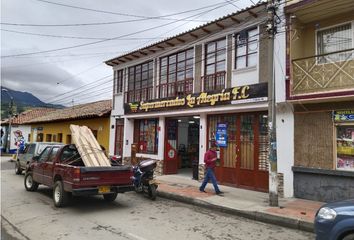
x=292 y=212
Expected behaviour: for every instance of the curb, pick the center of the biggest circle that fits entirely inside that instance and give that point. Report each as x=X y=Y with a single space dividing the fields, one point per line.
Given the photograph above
x=253 y=215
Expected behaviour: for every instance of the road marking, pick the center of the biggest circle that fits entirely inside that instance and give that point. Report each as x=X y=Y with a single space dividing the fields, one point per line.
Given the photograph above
x=137 y=237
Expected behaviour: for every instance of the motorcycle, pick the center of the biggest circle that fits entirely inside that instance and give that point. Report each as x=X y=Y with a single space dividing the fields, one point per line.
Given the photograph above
x=143 y=178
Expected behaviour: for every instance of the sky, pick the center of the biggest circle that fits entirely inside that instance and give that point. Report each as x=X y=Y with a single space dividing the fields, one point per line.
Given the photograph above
x=32 y=31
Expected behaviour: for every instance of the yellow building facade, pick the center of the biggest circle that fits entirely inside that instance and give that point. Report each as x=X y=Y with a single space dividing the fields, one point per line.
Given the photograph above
x=60 y=131
x=55 y=126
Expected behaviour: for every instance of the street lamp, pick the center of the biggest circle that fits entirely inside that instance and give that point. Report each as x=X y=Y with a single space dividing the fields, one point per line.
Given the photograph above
x=8 y=144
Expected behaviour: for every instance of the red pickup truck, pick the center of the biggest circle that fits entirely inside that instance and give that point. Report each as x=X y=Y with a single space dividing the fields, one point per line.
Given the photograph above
x=61 y=168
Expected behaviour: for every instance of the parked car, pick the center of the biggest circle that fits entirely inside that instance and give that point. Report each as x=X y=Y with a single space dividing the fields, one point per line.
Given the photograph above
x=335 y=221
x=61 y=168
x=31 y=150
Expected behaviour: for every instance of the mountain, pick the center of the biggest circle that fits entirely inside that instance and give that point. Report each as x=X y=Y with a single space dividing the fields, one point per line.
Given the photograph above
x=21 y=100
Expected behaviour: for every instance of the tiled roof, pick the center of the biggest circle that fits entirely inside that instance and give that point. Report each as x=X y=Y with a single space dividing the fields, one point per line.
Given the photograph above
x=88 y=110
x=28 y=115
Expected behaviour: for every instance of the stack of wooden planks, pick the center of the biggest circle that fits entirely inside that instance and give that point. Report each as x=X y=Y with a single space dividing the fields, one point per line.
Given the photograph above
x=90 y=151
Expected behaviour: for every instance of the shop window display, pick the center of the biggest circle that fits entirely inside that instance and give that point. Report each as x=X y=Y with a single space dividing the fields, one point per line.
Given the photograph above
x=345 y=147
x=147 y=136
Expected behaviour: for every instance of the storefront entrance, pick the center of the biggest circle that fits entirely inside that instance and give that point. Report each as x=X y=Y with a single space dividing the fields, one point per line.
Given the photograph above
x=181 y=145
x=243 y=159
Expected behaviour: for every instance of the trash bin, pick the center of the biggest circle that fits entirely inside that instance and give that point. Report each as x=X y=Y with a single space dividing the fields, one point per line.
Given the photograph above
x=195 y=168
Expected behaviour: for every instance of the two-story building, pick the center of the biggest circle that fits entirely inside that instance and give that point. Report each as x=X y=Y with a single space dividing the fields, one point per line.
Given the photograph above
x=173 y=97
x=320 y=87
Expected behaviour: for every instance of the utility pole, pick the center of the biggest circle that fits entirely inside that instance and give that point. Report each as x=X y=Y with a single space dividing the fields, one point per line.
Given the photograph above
x=8 y=144
x=273 y=165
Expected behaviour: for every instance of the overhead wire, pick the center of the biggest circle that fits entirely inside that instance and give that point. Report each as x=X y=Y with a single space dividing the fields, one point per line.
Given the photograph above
x=111 y=80
x=125 y=74
x=99 y=41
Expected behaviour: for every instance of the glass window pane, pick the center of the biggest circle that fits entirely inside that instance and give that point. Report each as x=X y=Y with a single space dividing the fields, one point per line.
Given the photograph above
x=172 y=77
x=210 y=69
x=172 y=68
x=241 y=62
x=181 y=56
x=252 y=60
x=345 y=147
x=221 y=55
x=172 y=59
x=189 y=73
x=253 y=35
x=181 y=66
x=190 y=53
x=221 y=44
x=163 y=61
x=189 y=63
x=211 y=47
x=220 y=66
x=145 y=67
x=180 y=75
x=210 y=58
x=252 y=47
x=241 y=50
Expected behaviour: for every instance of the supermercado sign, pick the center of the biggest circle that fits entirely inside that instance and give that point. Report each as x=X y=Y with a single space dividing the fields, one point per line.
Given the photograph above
x=247 y=93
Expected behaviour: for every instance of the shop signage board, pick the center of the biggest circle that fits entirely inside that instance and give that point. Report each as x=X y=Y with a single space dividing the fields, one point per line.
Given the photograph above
x=343 y=116
x=221 y=135
x=249 y=93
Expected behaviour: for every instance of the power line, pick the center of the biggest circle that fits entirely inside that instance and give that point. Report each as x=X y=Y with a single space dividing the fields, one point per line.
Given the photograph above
x=125 y=74
x=99 y=41
x=72 y=37
x=81 y=87
x=165 y=17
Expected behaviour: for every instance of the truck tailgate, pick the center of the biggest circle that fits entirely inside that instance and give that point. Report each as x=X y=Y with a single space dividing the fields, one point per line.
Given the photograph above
x=111 y=176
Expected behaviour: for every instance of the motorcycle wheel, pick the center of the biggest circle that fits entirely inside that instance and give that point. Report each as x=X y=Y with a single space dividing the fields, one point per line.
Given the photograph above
x=152 y=192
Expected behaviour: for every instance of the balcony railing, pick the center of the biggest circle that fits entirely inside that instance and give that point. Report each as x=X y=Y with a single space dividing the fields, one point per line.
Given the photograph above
x=175 y=89
x=324 y=73
x=214 y=81
x=143 y=94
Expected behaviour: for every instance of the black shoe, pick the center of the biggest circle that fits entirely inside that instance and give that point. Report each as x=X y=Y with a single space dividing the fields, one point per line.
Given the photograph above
x=202 y=190
x=220 y=193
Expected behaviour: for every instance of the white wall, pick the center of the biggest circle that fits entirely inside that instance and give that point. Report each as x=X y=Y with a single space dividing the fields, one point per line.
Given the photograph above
x=128 y=136
x=285 y=145
x=245 y=76
x=202 y=137
x=112 y=137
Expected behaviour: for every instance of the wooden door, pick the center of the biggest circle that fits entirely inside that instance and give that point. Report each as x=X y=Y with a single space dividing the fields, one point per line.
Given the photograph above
x=118 y=146
x=171 y=156
x=244 y=162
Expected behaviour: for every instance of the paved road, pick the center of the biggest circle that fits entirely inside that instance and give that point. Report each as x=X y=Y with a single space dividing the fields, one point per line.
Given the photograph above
x=32 y=216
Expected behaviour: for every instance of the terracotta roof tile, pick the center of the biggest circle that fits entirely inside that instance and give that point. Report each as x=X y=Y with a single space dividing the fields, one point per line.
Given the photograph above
x=88 y=110
x=28 y=115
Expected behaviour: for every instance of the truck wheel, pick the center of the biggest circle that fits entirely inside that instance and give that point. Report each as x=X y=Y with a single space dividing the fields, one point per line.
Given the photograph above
x=18 y=169
x=60 y=196
x=350 y=236
x=152 y=192
x=30 y=184
x=110 y=197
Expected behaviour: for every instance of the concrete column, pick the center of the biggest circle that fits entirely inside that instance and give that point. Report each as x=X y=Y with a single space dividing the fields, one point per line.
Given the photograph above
x=128 y=136
x=112 y=135
x=161 y=144
x=285 y=146
x=202 y=137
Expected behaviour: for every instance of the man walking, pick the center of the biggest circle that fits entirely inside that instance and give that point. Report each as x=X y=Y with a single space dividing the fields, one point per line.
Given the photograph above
x=210 y=158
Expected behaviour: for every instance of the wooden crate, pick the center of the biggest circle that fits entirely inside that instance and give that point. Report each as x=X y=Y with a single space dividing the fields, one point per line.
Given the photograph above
x=90 y=150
